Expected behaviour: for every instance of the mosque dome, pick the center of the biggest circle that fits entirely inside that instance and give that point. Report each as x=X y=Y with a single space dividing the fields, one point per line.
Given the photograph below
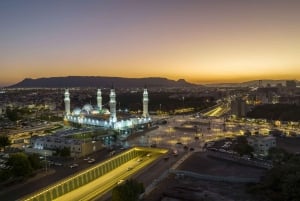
x=88 y=108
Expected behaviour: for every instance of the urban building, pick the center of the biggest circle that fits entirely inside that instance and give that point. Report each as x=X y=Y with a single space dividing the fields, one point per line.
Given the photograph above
x=291 y=84
x=261 y=144
x=50 y=144
x=267 y=95
x=239 y=107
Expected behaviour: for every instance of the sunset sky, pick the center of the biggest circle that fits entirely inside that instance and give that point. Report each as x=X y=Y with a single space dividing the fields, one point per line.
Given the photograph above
x=200 y=41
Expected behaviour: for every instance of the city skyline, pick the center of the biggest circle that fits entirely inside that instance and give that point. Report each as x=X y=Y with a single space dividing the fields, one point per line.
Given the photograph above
x=200 y=41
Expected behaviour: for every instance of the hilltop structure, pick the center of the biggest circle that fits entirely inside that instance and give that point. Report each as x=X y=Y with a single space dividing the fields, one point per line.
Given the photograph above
x=101 y=117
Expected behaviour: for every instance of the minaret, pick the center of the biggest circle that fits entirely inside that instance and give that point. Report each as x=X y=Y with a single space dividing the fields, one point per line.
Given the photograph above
x=67 y=102
x=145 y=103
x=99 y=99
x=112 y=106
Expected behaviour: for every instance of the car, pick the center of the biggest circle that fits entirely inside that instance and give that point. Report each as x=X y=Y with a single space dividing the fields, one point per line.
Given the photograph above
x=139 y=160
x=57 y=164
x=91 y=160
x=86 y=159
x=129 y=168
x=50 y=163
x=166 y=158
x=112 y=153
x=120 y=181
x=74 y=165
x=212 y=149
x=148 y=155
x=246 y=157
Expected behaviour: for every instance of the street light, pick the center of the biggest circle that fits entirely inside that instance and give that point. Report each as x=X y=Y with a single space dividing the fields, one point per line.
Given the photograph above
x=83 y=146
x=160 y=108
x=45 y=161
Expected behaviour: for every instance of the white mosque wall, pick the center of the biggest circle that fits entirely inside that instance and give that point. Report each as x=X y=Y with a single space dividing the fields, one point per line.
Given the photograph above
x=119 y=125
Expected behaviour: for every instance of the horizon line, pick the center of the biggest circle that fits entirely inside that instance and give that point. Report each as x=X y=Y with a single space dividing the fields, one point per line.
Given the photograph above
x=4 y=85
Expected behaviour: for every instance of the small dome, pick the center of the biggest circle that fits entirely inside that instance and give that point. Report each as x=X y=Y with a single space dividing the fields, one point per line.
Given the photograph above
x=105 y=111
x=77 y=111
x=95 y=111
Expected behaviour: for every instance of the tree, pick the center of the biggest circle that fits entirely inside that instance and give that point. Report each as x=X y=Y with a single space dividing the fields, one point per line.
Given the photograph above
x=34 y=161
x=5 y=175
x=278 y=155
x=242 y=147
x=12 y=114
x=291 y=186
x=285 y=112
x=65 y=152
x=4 y=141
x=20 y=164
x=282 y=182
x=129 y=191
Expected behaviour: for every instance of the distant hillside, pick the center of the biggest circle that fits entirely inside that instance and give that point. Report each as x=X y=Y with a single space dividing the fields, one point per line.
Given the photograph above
x=252 y=83
x=103 y=82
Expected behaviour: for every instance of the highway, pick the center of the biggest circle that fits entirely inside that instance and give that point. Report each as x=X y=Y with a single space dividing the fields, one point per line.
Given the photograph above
x=218 y=111
x=58 y=173
x=101 y=185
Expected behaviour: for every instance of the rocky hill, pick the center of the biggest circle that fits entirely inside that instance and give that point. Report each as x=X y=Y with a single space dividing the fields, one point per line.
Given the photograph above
x=103 y=82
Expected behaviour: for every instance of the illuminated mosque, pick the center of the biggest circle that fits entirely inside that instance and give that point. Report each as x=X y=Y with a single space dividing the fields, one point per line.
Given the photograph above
x=102 y=117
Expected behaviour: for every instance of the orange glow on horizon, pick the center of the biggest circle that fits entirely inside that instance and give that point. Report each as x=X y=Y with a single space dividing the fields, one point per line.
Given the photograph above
x=201 y=42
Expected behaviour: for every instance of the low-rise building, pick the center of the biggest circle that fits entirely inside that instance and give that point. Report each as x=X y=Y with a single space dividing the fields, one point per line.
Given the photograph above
x=78 y=148
x=261 y=144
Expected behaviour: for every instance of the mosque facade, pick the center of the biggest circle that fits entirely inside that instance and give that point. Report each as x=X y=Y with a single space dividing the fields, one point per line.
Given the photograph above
x=101 y=117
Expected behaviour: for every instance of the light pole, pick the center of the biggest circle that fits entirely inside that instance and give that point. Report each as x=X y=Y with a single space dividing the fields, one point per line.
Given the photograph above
x=45 y=162
x=83 y=150
x=160 y=108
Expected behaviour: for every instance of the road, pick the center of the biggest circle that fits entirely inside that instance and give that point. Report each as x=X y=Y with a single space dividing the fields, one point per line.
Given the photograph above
x=148 y=176
x=17 y=191
x=106 y=182
x=218 y=111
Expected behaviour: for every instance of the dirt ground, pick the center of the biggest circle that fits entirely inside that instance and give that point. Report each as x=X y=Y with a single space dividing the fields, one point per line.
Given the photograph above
x=185 y=188
x=189 y=189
